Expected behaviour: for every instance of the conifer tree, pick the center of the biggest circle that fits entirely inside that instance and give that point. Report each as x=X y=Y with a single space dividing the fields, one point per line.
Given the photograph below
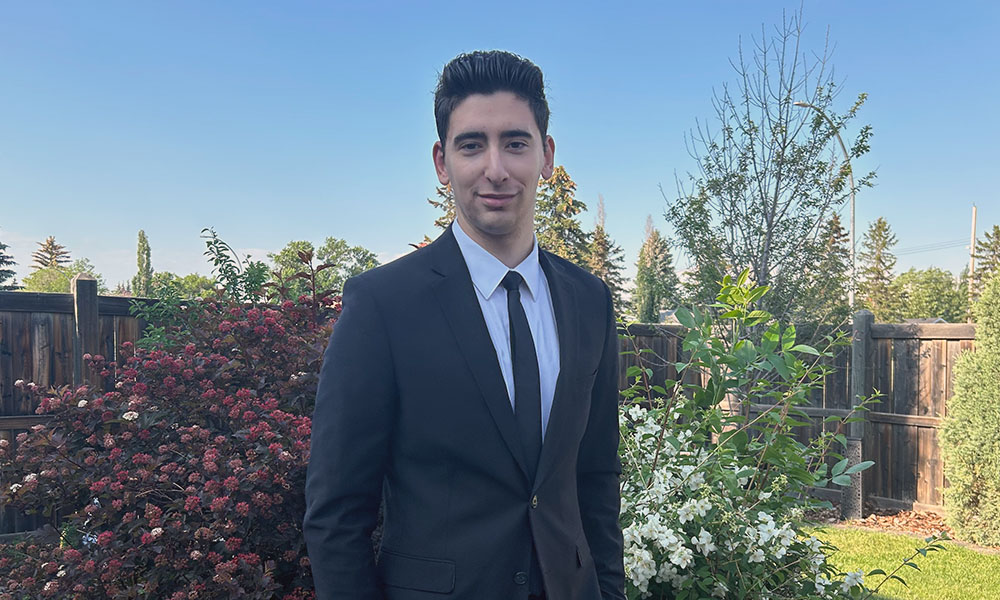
x=875 y=291
x=987 y=254
x=656 y=283
x=7 y=280
x=445 y=203
x=830 y=278
x=50 y=254
x=605 y=258
x=556 y=224
x=142 y=282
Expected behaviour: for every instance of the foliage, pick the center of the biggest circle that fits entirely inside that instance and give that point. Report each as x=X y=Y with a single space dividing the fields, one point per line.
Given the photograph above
x=556 y=224
x=49 y=254
x=831 y=277
x=445 y=203
x=970 y=432
x=6 y=273
x=57 y=279
x=340 y=262
x=142 y=283
x=183 y=481
x=605 y=257
x=242 y=281
x=929 y=293
x=987 y=255
x=192 y=285
x=770 y=176
x=875 y=291
x=656 y=284
x=713 y=498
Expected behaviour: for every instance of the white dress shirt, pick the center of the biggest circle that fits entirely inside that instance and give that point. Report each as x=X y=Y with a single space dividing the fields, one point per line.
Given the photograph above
x=487 y=274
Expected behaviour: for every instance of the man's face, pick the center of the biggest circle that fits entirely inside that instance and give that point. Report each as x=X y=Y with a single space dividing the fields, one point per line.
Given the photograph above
x=493 y=158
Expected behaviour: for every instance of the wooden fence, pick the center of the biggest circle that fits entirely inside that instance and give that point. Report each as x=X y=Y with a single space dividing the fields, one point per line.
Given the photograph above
x=44 y=336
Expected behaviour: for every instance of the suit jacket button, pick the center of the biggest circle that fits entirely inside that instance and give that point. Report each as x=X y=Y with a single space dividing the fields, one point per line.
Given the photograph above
x=520 y=578
x=534 y=501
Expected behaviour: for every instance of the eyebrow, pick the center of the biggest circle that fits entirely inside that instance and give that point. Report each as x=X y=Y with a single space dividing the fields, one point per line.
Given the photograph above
x=481 y=136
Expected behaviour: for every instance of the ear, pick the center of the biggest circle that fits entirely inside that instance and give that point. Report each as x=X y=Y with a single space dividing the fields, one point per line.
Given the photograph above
x=549 y=148
x=439 y=166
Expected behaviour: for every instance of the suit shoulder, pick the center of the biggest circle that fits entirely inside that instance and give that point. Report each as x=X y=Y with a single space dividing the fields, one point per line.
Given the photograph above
x=585 y=278
x=403 y=271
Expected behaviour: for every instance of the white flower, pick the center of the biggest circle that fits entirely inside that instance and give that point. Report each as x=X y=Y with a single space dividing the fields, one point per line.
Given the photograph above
x=704 y=542
x=61 y=573
x=195 y=554
x=766 y=531
x=757 y=556
x=81 y=404
x=130 y=415
x=821 y=583
x=51 y=586
x=30 y=477
x=720 y=590
x=14 y=487
x=852 y=579
x=19 y=383
x=686 y=512
x=765 y=495
x=156 y=532
x=682 y=556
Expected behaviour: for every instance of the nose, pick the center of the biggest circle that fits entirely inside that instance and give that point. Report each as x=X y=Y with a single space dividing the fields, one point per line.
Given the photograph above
x=496 y=170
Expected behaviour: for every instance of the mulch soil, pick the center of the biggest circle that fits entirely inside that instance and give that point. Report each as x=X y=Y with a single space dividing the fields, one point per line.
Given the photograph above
x=910 y=522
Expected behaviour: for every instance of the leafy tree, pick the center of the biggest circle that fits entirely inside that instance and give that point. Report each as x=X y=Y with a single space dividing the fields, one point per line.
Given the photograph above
x=347 y=260
x=50 y=254
x=192 y=285
x=57 y=279
x=987 y=254
x=445 y=203
x=769 y=177
x=6 y=273
x=875 y=291
x=241 y=280
x=970 y=432
x=929 y=293
x=605 y=258
x=656 y=284
x=142 y=282
x=556 y=224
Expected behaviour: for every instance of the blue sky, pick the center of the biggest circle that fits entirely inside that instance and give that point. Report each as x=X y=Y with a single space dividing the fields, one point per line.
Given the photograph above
x=300 y=120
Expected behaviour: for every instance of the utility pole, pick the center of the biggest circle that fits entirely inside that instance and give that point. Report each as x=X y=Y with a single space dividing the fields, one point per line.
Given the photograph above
x=972 y=260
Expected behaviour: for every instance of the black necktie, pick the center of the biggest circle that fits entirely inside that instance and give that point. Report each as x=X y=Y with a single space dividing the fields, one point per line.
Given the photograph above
x=527 y=387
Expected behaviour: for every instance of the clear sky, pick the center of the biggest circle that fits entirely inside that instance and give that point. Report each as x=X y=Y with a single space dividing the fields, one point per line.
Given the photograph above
x=274 y=121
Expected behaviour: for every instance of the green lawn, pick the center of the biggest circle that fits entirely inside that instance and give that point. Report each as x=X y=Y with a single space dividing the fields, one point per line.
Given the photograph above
x=957 y=573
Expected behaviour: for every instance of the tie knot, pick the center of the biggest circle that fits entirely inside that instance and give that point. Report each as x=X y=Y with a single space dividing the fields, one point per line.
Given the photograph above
x=512 y=281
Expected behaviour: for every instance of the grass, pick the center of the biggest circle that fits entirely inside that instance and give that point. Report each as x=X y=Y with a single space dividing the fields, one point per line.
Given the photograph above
x=957 y=573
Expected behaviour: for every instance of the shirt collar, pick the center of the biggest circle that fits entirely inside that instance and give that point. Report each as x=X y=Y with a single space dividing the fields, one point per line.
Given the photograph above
x=488 y=272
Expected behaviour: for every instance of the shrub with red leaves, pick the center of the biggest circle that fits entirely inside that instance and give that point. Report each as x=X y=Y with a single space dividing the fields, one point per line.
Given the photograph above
x=184 y=481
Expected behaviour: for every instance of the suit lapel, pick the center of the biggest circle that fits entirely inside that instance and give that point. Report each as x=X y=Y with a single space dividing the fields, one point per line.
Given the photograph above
x=458 y=300
x=564 y=303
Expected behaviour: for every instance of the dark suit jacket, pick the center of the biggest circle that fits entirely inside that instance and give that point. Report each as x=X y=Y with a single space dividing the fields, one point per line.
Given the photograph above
x=412 y=407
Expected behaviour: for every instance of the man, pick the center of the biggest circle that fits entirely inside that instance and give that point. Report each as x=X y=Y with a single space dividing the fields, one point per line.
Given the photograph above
x=472 y=386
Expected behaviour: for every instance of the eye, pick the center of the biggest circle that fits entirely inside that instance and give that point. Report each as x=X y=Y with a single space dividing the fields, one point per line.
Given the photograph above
x=518 y=145
x=469 y=146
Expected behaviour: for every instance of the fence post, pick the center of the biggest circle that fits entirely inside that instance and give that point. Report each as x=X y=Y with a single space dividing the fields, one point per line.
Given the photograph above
x=853 y=502
x=86 y=325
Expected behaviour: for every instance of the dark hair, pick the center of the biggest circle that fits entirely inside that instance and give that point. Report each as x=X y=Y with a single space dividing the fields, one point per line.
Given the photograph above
x=487 y=72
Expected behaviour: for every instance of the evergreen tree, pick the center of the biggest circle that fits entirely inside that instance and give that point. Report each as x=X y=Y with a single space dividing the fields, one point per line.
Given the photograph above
x=987 y=254
x=50 y=254
x=445 y=203
x=605 y=258
x=556 y=224
x=142 y=282
x=57 y=279
x=875 y=291
x=829 y=280
x=7 y=280
x=656 y=284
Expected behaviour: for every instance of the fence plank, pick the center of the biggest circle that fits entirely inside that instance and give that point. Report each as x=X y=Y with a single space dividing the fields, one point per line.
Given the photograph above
x=924 y=331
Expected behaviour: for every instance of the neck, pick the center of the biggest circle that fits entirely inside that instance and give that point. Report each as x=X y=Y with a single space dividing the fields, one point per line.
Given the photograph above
x=510 y=249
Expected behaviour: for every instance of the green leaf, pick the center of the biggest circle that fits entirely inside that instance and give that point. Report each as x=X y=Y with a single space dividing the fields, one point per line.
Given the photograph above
x=839 y=467
x=861 y=466
x=805 y=349
x=842 y=480
x=685 y=318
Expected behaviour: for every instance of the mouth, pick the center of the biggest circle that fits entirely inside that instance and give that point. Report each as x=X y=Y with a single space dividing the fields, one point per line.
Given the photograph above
x=497 y=200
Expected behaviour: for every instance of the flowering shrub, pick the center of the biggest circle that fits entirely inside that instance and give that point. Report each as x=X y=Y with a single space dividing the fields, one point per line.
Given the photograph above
x=713 y=501
x=184 y=481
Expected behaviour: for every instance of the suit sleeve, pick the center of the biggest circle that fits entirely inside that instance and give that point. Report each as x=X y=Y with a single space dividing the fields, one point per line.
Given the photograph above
x=599 y=469
x=351 y=432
